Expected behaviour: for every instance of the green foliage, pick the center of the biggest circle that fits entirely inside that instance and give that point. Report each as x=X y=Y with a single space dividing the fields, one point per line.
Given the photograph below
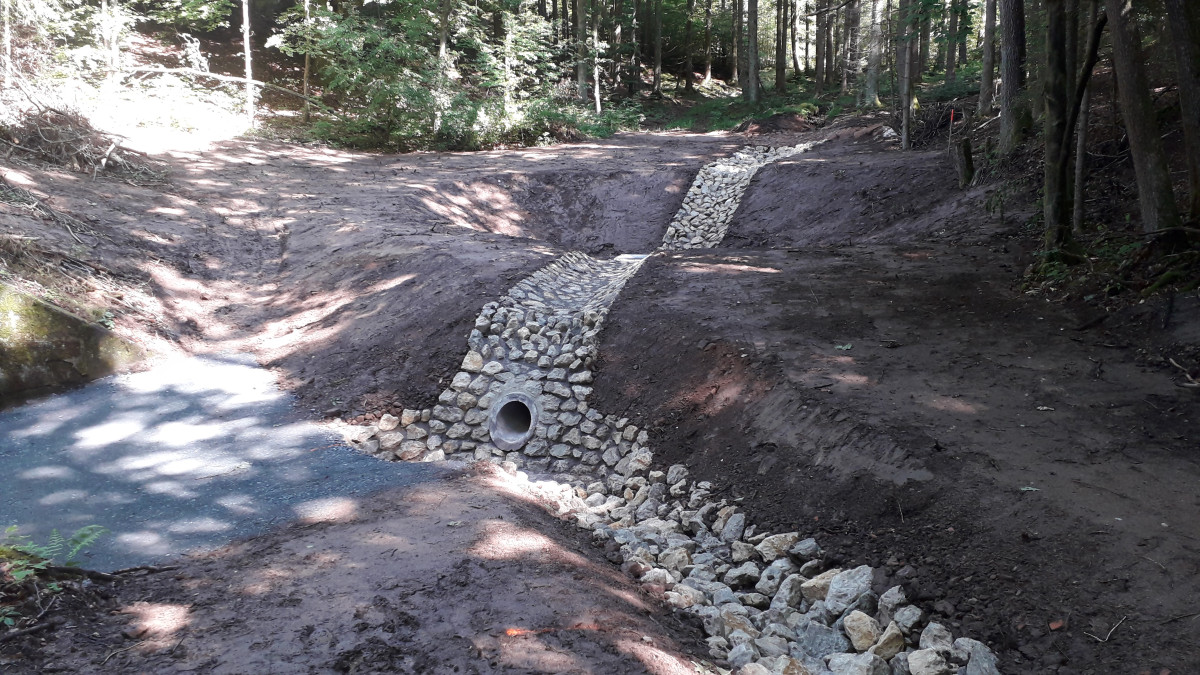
x=21 y=558
x=200 y=15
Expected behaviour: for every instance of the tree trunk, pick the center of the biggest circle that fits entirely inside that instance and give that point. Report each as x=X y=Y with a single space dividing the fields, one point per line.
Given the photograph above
x=596 y=7
x=793 y=28
x=952 y=43
x=1013 y=113
x=922 y=64
x=1078 y=205
x=850 y=62
x=1157 y=201
x=1184 y=17
x=307 y=20
x=688 y=64
x=808 y=65
x=246 y=53
x=8 y=69
x=987 y=75
x=819 y=69
x=580 y=25
x=907 y=60
x=1055 y=201
x=658 y=44
x=708 y=41
x=739 y=49
x=635 y=58
x=832 y=35
x=874 y=55
x=752 y=84
x=781 y=32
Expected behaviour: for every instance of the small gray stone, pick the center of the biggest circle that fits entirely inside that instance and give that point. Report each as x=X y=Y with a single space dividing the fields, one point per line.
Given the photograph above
x=929 y=662
x=742 y=655
x=858 y=664
x=815 y=639
x=936 y=636
x=980 y=659
x=388 y=422
x=907 y=617
x=734 y=528
x=846 y=587
x=390 y=440
x=743 y=575
x=472 y=362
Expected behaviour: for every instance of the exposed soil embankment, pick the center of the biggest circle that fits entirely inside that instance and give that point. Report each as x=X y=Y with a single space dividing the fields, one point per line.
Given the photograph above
x=908 y=405
x=357 y=276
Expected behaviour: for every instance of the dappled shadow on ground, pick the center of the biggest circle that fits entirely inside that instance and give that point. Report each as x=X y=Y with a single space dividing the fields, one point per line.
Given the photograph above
x=463 y=575
x=187 y=455
x=357 y=273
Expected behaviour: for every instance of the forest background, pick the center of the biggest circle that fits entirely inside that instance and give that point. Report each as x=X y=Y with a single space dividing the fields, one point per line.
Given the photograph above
x=1007 y=85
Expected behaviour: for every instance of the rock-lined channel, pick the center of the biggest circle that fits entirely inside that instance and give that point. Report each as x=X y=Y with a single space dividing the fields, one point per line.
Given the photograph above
x=769 y=602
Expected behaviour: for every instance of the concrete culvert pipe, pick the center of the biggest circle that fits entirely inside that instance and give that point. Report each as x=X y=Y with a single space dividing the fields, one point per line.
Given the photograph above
x=512 y=420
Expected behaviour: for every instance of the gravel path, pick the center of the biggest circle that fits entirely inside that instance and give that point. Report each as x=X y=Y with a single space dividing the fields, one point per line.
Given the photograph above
x=186 y=456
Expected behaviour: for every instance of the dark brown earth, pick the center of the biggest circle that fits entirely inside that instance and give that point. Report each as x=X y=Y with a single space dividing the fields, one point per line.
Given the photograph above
x=463 y=576
x=858 y=362
x=901 y=400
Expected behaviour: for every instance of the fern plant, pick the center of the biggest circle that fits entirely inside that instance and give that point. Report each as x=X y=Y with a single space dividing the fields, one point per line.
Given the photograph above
x=23 y=558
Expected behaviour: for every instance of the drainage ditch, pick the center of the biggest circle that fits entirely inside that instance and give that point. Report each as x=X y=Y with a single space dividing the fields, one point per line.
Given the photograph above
x=768 y=602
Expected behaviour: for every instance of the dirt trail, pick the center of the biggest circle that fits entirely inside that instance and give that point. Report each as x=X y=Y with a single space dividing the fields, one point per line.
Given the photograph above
x=463 y=576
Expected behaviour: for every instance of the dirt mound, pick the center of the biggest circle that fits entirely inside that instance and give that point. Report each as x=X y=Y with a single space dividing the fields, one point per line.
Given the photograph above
x=907 y=404
x=776 y=123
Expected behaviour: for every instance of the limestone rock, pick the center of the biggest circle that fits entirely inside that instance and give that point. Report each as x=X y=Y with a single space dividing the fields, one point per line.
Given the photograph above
x=817 y=587
x=819 y=640
x=776 y=546
x=858 y=664
x=472 y=362
x=980 y=659
x=929 y=662
x=790 y=593
x=390 y=440
x=936 y=636
x=742 y=655
x=892 y=599
x=890 y=643
x=734 y=527
x=862 y=630
x=846 y=587
x=745 y=574
x=753 y=669
x=773 y=576
x=740 y=551
x=907 y=617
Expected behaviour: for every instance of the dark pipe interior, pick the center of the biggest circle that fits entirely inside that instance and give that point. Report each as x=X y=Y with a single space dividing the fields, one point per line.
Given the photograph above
x=514 y=418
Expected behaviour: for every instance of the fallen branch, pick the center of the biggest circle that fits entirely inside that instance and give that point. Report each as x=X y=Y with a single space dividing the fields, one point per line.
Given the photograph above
x=14 y=634
x=80 y=572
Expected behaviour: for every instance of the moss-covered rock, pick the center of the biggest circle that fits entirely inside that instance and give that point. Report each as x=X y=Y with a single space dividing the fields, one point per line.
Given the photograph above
x=42 y=346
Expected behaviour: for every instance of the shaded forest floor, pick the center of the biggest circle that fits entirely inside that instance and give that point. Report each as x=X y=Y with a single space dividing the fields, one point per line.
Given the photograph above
x=858 y=361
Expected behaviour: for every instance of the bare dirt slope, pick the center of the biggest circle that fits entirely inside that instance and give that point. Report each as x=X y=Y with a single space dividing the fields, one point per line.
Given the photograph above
x=906 y=402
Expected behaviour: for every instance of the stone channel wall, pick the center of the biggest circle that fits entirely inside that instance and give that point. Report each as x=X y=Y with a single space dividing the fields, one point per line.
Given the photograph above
x=769 y=602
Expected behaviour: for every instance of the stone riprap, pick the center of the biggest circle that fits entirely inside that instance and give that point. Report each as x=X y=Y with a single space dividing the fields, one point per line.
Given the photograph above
x=770 y=603
x=710 y=203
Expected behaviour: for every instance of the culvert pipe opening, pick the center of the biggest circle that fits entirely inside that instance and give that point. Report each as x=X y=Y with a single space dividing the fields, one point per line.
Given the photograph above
x=512 y=420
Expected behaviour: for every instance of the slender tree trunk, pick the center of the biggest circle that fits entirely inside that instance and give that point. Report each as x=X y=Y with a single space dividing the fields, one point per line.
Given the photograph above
x=832 y=47
x=1056 y=197
x=596 y=11
x=707 y=41
x=987 y=75
x=952 y=43
x=1013 y=113
x=808 y=66
x=580 y=50
x=796 y=10
x=738 y=48
x=1155 y=196
x=781 y=45
x=906 y=63
x=752 y=50
x=963 y=30
x=658 y=44
x=307 y=19
x=1184 y=17
x=822 y=29
x=853 y=48
x=922 y=64
x=8 y=64
x=443 y=31
x=246 y=53
x=615 y=47
x=874 y=55
x=554 y=18
x=688 y=64
x=1078 y=204
x=635 y=65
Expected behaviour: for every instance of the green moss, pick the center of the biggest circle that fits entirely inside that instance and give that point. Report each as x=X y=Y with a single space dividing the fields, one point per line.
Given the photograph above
x=44 y=346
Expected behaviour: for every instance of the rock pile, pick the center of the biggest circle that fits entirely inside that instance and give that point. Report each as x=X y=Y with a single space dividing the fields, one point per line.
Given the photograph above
x=769 y=602
x=710 y=203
